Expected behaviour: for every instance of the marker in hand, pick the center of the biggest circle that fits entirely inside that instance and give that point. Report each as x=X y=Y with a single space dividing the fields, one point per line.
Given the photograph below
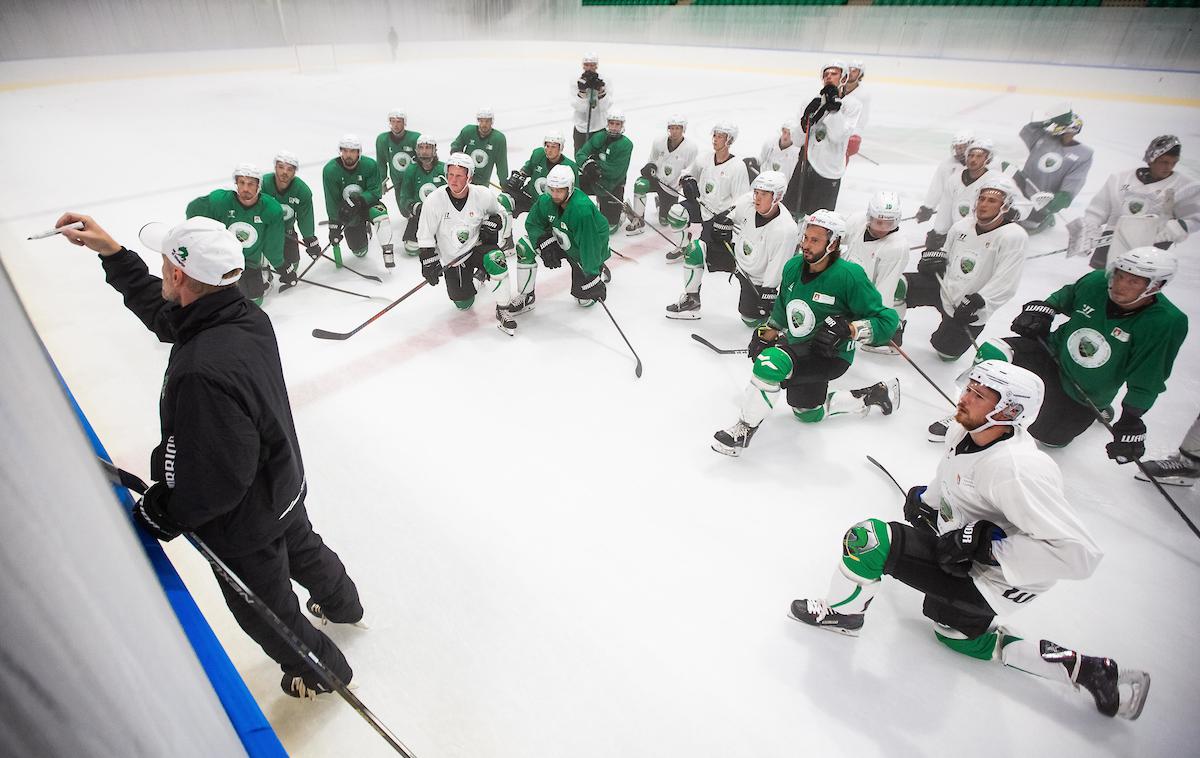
x=51 y=232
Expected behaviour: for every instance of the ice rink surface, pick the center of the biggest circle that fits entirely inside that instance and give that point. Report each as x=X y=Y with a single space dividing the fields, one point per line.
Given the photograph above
x=553 y=561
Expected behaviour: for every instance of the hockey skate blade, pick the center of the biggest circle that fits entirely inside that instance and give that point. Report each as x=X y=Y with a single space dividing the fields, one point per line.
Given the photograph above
x=893 y=390
x=505 y=330
x=683 y=315
x=732 y=452
x=1175 y=481
x=675 y=259
x=1138 y=683
x=834 y=629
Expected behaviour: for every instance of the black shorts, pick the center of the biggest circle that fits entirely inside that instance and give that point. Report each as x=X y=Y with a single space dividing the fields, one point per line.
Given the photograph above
x=951 y=337
x=1061 y=418
x=808 y=384
x=718 y=256
x=950 y=600
x=610 y=203
x=749 y=299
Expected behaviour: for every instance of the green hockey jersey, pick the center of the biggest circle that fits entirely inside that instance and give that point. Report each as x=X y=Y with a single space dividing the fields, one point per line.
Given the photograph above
x=259 y=228
x=579 y=228
x=295 y=201
x=341 y=183
x=488 y=153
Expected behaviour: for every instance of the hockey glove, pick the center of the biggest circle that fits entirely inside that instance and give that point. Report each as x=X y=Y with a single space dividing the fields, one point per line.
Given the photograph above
x=691 y=189
x=550 y=250
x=1036 y=217
x=964 y=312
x=829 y=95
x=151 y=513
x=516 y=181
x=764 y=337
x=957 y=550
x=489 y=230
x=766 y=300
x=831 y=333
x=924 y=214
x=589 y=175
x=1174 y=231
x=336 y=232
x=1129 y=438
x=917 y=513
x=289 y=275
x=650 y=171
x=431 y=266
x=1034 y=320
x=932 y=263
x=596 y=83
x=357 y=201
x=582 y=83
x=593 y=289
x=722 y=231
x=934 y=241
x=312 y=247
x=753 y=169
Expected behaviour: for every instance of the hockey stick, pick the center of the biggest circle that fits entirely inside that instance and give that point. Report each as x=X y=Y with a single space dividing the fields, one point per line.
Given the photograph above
x=125 y=479
x=717 y=350
x=889 y=474
x=924 y=376
x=1108 y=426
x=966 y=327
x=629 y=212
x=313 y=262
x=337 y=262
x=868 y=160
x=323 y=334
x=637 y=371
x=335 y=289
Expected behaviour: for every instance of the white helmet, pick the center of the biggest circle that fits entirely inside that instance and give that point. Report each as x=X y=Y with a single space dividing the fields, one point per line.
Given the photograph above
x=426 y=139
x=1152 y=263
x=288 y=157
x=964 y=137
x=591 y=58
x=828 y=220
x=862 y=70
x=985 y=144
x=248 y=170
x=885 y=205
x=790 y=125
x=616 y=114
x=350 y=142
x=1021 y=392
x=677 y=120
x=998 y=184
x=726 y=128
x=560 y=177
x=397 y=113
x=1159 y=146
x=839 y=65
x=461 y=159
x=556 y=138
x=771 y=181
x=485 y=112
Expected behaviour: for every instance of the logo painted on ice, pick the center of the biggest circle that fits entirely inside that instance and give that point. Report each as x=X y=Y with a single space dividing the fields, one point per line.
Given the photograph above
x=480 y=157
x=966 y=265
x=1089 y=348
x=1050 y=162
x=801 y=320
x=245 y=233
x=401 y=160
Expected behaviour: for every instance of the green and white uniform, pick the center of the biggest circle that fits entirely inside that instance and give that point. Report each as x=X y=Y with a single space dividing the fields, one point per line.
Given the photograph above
x=418 y=183
x=613 y=154
x=341 y=186
x=259 y=227
x=538 y=166
x=579 y=229
x=490 y=152
x=296 y=203
x=397 y=153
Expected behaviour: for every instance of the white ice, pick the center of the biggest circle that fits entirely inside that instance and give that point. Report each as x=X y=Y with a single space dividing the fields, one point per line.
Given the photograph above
x=554 y=561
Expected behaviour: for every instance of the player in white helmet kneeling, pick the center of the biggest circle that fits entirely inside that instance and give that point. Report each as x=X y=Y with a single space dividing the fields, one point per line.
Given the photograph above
x=873 y=241
x=671 y=155
x=353 y=201
x=991 y=533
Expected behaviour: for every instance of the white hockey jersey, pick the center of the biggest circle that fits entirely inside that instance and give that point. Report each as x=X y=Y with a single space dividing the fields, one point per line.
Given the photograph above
x=720 y=185
x=1019 y=488
x=672 y=164
x=1124 y=194
x=599 y=106
x=958 y=199
x=829 y=137
x=937 y=185
x=452 y=231
x=761 y=251
x=884 y=260
x=776 y=158
x=989 y=264
x=863 y=96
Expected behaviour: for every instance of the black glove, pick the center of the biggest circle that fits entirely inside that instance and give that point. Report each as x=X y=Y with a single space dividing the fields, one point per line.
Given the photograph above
x=516 y=181
x=957 y=550
x=722 y=230
x=593 y=289
x=812 y=113
x=924 y=214
x=753 y=169
x=1129 y=438
x=151 y=513
x=690 y=187
x=589 y=173
x=582 y=82
x=1037 y=216
x=934 y=241
x=966 y=309
x=336 y=232
x=431 y=265
x=597 y=83
x=289 y=275
x=550 y=250
x=357 y=201
x=832 y=331
x=312 y=247
x=766 y=300
x=829 y=94
x=1034 y=320
x=489 y=230
x=918 y=514
x=650 y=171
x=759 y=343
x=932 y=262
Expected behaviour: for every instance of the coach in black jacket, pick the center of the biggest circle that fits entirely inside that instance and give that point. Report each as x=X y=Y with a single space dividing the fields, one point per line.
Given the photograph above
x=228 y=467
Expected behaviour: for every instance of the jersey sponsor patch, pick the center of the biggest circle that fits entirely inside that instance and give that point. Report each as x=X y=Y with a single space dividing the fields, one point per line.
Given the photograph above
x=1120 y=334
x=246 y=234
x=1089 y=348
x=821 y=297
x=800 y=318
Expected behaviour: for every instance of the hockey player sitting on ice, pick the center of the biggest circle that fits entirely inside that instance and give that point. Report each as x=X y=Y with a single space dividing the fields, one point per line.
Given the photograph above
x=563 y=224
x=488 y=147
x=976 y=274
x=295 y=201
x=1151 y=205
x=257 y=221
x=1120 y=330
x=1057 y=166
x=459 y=233
x=827 y=122
x=781 y=154
x=353 y=201
x=873 y=241
x=671 y=155
x=948 y=168
x=603 y=165
x=394 y=151
x=524 y=185
x=590 y=98
x=826 y=306
x=992 y=532
x=422 y=176
x=763 y=240
x=853 y=89
x=710 y=186
x=1182 y=468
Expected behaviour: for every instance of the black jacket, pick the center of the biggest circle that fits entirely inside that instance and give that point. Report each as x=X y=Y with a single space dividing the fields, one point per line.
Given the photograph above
x=229 y=450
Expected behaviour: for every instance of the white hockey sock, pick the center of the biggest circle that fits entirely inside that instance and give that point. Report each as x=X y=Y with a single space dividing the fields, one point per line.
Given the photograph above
x=692 y=275
x=849 y=593
x=758 y=400
x=841 y=402
x=638 y=205
x=383 y=230
x=500 y=288
x=1026 y=655
x=526 y=278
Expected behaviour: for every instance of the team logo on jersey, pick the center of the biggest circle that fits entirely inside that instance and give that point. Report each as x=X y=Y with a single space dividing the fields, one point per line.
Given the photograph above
x=350 y=190
x=747 y=248
x=1086 y=311
x=801 y=320
x=562 y=238
x=1089 y=348
x=427 y=189
x=462 y=235
x=539 y=185
x=400 y=161
x=774 y=166
x=709 y=187
x=245 y=233
x=820 y=132
x=288 y=213
x=1136 y=207
x=963 y=210
x=966 y=265
x=480 y=157
x=1050 y=162
x=667 y=171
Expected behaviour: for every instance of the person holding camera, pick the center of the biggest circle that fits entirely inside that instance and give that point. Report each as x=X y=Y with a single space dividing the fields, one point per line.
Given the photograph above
x=591 y=99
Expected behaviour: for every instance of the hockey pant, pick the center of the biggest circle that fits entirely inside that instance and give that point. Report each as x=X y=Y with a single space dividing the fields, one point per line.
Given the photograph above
x=952 y=338
x=298 y=554
x=526 y=276
x=611 y=205
x=460 y=279
x=806 y=376
x=808 y=191
x=357 y=235
x=751 y=306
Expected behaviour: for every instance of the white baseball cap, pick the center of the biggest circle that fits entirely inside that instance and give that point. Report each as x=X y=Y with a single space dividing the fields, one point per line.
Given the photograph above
x=199 y=247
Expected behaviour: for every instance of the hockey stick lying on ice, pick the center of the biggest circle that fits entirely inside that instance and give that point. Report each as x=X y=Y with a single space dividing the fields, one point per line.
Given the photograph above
x=718 y=350
x=339 y=264
x=1108 y=426
x=313 y=262
x=125 y=479
x=889 y=474
x=637 y=371
x=327 y=335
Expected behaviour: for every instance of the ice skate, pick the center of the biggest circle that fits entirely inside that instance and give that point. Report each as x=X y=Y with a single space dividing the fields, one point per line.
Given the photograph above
x=687 y=308
x=733 y=440
x=818 y=613
x=883 y=395
x=938 y=429
x=505 y=321
x=304 y=686
x=522 y=305
x=637 y=225
x=1180 y=470
x=389 y=258
x=315 y=609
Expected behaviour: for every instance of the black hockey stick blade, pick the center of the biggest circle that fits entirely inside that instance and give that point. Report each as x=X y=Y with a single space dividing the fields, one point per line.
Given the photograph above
x=322 y=334
x=718 y=350
x=637 y=370
x=889 y=474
